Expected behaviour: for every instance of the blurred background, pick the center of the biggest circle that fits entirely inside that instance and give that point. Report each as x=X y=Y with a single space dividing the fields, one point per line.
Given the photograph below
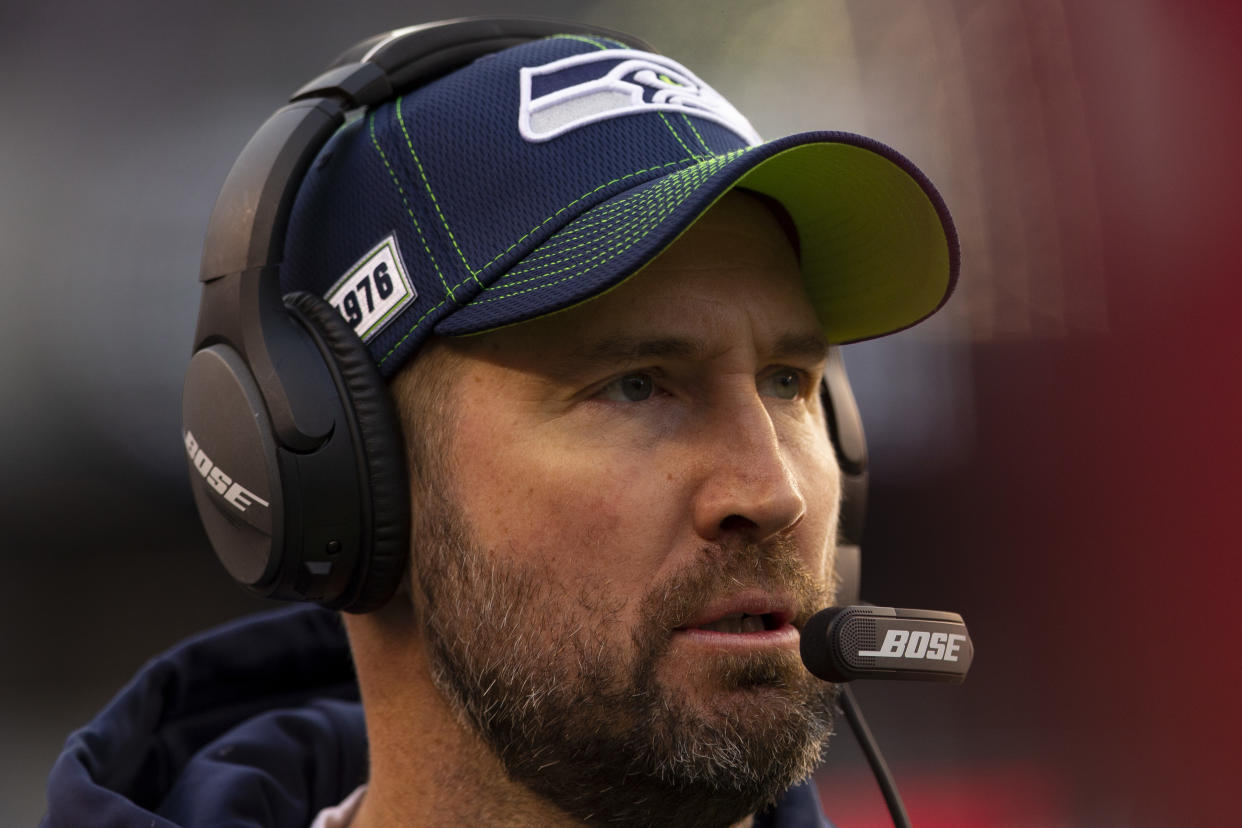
x=1055 y=455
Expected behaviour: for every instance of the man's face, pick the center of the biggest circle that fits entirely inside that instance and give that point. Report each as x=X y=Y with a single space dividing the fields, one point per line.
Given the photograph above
x=636 y=510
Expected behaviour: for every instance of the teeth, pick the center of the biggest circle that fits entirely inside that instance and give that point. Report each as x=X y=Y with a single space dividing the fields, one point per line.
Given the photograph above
x=736 y=624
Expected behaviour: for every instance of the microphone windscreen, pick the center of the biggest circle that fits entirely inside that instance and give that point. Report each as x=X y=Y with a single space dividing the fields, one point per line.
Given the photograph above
x=846 y=643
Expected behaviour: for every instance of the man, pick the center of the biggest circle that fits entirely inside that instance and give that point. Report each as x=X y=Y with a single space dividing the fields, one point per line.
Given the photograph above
x=604 y=310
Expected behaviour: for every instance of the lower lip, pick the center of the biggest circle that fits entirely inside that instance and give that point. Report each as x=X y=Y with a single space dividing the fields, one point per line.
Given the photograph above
x=784 y=636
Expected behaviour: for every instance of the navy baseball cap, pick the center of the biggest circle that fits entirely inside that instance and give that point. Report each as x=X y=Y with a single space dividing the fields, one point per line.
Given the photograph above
x=540 y=176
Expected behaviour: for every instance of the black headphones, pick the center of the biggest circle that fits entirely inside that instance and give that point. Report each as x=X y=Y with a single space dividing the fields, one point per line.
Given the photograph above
x=296 y=457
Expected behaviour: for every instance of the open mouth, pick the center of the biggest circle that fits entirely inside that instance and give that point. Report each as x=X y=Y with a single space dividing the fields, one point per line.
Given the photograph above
x=742 y=623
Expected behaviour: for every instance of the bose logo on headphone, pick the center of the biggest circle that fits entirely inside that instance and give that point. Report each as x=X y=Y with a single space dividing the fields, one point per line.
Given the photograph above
x=235 y=493
x=919 y=644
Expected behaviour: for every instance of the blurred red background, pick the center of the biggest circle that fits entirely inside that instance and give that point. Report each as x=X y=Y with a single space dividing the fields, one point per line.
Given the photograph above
x=1151 y=417
x=1098 y=506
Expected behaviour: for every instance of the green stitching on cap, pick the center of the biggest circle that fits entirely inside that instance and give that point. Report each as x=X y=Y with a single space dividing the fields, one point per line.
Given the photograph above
x=582 y=38
x=599 y=215
x=702 y=171
x=678 y=137
x=412 y=328
x=474 y=274
x=674 y=194
x=552 y=217
x=406 y=202
x=622 y=245
x=639 y=203
x=638 y=232
x=690 y=124
x=620 y=248
x=564 y=252
x=560 y=247
x=655 y=219
x=692 y=177
x=434 y=201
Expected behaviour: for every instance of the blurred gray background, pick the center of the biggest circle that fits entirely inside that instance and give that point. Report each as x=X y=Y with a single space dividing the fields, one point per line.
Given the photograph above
x=121 y=120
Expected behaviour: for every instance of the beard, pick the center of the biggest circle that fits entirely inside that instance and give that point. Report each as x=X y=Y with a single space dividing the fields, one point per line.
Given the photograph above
x=574 y=706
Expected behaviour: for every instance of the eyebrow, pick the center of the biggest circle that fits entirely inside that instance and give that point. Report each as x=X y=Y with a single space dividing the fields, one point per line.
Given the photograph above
x=806 y=345
x=625 y=349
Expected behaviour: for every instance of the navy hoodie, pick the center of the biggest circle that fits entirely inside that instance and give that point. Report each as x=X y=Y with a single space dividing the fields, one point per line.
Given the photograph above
x=257 y=723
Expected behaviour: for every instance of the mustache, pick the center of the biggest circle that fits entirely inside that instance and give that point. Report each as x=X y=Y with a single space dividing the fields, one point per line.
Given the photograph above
x=773 y=566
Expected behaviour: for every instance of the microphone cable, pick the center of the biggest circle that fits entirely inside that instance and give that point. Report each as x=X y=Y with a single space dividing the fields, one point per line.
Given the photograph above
x=862 y=733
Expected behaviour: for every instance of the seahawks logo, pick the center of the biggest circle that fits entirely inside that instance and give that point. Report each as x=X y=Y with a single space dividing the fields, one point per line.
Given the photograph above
x=574 y=91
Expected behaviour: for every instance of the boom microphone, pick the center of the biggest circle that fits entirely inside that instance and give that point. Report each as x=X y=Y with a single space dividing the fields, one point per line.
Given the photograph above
x=864 y=642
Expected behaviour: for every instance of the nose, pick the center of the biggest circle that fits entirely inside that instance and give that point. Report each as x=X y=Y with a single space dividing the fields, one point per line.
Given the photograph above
x=747 y=487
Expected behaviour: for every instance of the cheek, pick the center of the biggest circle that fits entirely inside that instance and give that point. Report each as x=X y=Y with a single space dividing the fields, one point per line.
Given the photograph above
x=585 y=515
x=820 y=481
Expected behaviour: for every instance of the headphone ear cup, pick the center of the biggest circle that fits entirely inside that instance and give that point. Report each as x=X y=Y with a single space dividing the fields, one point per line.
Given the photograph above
x=850 y=445
x=381 y=450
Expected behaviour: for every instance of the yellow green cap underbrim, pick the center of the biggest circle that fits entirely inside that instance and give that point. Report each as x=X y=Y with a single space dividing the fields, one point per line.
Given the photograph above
x=878 y=253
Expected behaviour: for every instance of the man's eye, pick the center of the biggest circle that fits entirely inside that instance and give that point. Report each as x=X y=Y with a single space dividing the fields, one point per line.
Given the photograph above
x=785 y=384
x=629 y=388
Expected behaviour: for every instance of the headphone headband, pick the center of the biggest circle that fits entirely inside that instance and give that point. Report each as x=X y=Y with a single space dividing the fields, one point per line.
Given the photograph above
x=246 y=232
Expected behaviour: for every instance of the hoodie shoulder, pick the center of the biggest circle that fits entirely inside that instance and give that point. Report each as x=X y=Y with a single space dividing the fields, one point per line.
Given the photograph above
x=254 y=723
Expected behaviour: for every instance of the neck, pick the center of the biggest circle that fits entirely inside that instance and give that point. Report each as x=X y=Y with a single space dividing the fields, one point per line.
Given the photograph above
x=426 y=767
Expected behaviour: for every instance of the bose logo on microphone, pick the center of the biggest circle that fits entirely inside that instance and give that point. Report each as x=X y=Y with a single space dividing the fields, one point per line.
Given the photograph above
x=237 y=495
x=919 y=644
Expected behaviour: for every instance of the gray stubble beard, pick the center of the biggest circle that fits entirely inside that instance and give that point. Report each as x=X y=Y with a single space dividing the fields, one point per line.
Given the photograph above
x=602 y=740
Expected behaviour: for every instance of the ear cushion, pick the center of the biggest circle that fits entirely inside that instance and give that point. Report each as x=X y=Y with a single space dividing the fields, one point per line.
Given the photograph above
x=377 y=439
x=850 y=446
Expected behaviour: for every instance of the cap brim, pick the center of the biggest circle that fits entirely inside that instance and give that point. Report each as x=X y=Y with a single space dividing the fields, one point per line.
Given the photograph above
x=879 y=251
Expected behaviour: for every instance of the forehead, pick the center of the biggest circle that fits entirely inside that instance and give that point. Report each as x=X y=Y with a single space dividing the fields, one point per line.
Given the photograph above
x=733 y=275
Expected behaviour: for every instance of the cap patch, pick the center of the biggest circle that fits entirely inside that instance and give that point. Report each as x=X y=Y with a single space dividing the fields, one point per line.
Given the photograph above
x=582 y=89
x=374 y=291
